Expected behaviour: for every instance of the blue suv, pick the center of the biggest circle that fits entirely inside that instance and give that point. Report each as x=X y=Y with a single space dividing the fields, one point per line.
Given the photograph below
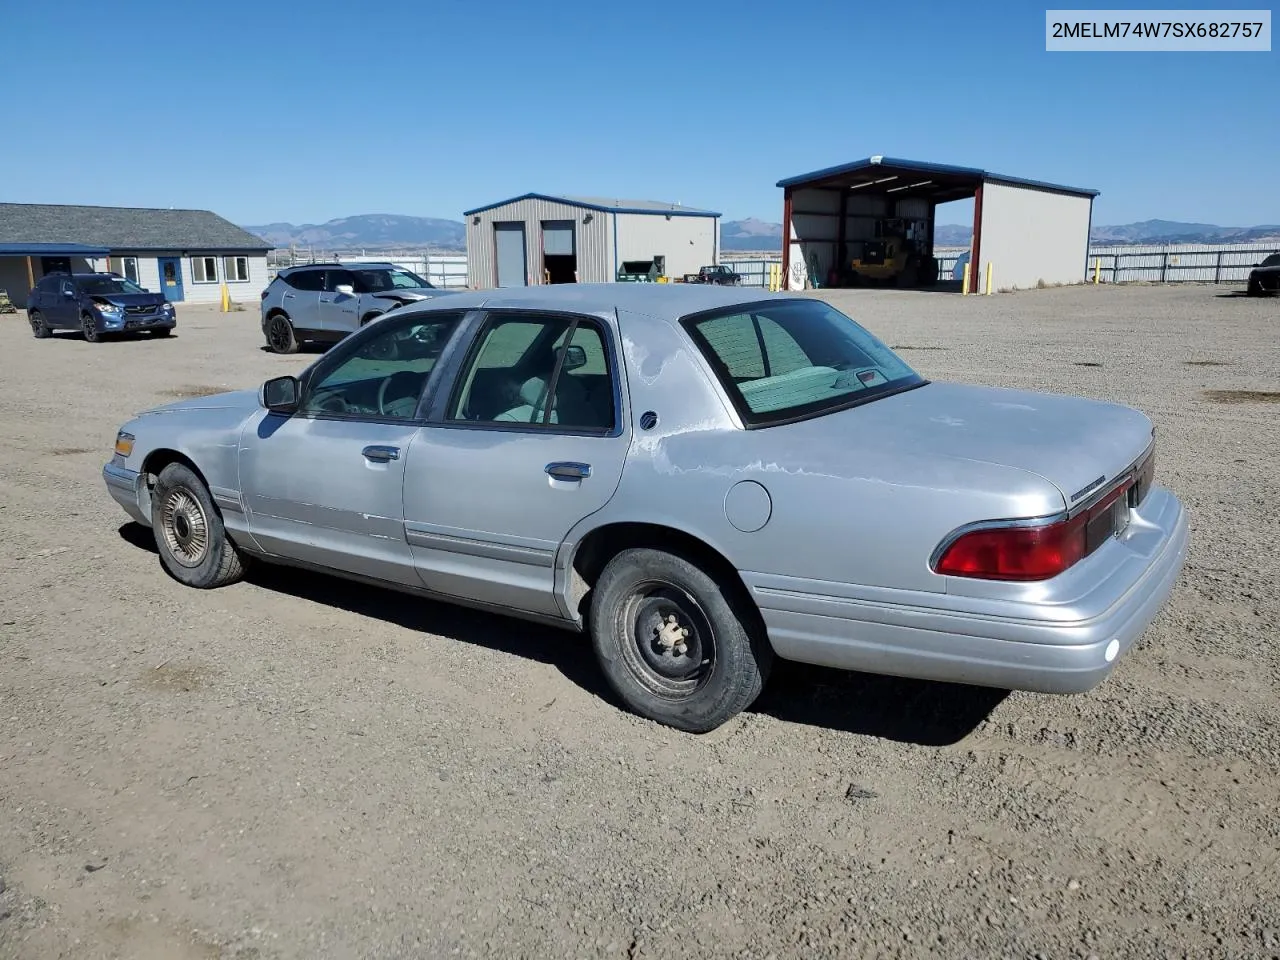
x=97 y=304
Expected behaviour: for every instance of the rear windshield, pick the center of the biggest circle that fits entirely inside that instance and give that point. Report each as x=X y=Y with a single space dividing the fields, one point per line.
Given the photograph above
x=784 y=360
x=109 y=285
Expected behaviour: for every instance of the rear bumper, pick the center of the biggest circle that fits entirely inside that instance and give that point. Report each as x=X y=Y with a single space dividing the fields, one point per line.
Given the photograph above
x=932 y=636
x=125 y=488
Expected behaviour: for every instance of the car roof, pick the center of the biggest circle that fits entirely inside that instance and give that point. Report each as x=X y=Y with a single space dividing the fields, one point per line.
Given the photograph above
x=668 y=301
x=338 y=266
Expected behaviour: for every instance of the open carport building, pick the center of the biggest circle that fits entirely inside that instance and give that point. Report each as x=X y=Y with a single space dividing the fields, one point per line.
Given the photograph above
x=839 y=223
x=538 y=238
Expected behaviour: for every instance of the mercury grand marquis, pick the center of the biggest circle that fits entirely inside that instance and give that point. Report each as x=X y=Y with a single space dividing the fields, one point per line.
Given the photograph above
x=699 y=478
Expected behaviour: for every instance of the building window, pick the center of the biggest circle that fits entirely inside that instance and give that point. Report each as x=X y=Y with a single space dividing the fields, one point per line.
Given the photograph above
x=127 y=267
x=235 y=269
x=204 y=269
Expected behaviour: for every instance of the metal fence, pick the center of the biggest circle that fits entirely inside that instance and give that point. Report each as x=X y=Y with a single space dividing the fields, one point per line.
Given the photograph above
x=445 y=270
x=1177 y=263
x=1152 y=263
x=1164 y=263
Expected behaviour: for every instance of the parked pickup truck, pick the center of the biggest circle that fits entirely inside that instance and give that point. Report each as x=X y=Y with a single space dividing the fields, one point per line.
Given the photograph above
x=715 y=274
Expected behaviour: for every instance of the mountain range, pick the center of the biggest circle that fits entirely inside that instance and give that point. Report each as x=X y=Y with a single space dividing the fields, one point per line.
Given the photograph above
x=386 y=231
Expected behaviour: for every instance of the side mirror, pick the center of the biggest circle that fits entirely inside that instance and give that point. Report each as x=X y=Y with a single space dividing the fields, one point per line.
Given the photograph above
x=280 y=394
x=575 y=356
x=346 y=289
x=69 y=294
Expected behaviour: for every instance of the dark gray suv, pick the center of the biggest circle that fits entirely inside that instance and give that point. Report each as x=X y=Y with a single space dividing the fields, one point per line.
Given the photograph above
x=326 y=301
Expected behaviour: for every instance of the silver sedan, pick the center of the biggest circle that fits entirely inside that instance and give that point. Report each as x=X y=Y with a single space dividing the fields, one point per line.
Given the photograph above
x=700 y=478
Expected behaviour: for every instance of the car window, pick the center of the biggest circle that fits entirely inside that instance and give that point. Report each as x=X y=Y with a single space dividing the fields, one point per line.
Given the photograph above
x=784 y=359
x=333 y=279
x=382 y=375
x=108 y=285
x=540 y=371
x=376 y=280
x=306 y=280
x=1271 y=261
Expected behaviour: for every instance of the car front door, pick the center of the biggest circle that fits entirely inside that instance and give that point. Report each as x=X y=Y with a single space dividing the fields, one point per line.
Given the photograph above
x=324 y=485
x=527 y=442
x=339 y=311
x=64 y=305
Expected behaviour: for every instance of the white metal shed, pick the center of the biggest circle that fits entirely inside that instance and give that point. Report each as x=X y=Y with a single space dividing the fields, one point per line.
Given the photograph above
x=539 y=238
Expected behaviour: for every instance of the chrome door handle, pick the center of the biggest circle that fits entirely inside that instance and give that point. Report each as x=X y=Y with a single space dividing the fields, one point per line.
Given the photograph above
x=381 y=454
x=562 y=470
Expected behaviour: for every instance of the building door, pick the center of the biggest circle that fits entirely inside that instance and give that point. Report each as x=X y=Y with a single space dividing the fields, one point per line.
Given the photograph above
x=559 y=258
x=508 y=240
x=55 y=265
x=170 y=278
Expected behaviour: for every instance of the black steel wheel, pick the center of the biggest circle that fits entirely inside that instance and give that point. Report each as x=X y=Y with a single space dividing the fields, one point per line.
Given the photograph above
x=280 y=335
x=89 y=328
x=676 y=645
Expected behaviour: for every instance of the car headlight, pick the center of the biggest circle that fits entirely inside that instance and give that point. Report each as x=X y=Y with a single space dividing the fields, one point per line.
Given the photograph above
x=167 y=307
x=107 y=308
x=124 y=443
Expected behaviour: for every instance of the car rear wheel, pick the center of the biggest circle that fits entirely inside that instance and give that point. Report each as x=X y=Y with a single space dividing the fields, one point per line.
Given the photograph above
x=370 y=317
x=674 y=645
x=89 y=328
x=39 y=329
x=280 y=335
x=1255 y=287
x=190 y=537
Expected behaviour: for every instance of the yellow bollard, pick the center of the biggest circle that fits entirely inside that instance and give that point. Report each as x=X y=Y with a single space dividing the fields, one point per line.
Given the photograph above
x=964 y=281
x=1097 y=268
x=988 y=278
x=226 y=300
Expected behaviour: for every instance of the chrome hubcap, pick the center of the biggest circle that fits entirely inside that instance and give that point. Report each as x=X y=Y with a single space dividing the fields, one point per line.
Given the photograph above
x=185 y=529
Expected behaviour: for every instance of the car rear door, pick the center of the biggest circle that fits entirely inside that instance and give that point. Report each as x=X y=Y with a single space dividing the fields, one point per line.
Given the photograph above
x=301 y=298
x=494 y=482
x=338 y=312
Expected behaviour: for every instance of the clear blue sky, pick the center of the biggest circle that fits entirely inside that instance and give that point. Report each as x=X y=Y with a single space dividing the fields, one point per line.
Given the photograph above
x=303 y=112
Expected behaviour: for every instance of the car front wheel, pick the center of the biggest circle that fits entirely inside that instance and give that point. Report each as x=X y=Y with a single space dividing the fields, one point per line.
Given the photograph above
x=89 y=328
x=39 y=328
x=190 y=537
x=673 y=644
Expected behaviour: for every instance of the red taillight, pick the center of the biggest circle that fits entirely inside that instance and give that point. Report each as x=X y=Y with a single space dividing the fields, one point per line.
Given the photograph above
x=1015 y=553
x=1035 y=552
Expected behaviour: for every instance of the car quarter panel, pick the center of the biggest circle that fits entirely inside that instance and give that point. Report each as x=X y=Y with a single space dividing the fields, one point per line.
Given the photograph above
x=841 y=509
x=204 y=430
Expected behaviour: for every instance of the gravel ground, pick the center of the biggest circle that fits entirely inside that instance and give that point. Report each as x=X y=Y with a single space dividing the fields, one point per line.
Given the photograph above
x=297 y=767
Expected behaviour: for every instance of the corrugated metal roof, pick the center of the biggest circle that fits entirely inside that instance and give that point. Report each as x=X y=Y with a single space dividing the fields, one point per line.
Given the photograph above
x=605 y=205
x=869 y=164
x=51 y=250
x=123 y=228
